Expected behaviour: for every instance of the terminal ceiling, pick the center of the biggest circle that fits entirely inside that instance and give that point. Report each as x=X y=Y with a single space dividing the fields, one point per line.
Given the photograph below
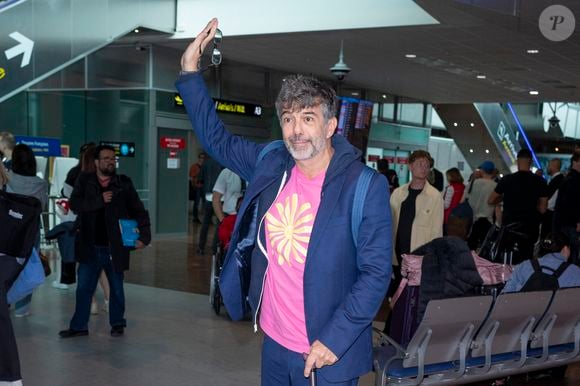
x=470 y=40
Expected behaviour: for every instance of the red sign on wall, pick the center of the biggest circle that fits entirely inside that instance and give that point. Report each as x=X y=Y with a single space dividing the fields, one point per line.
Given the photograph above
x=373 y=158
x=172 y=143
x=402 y=160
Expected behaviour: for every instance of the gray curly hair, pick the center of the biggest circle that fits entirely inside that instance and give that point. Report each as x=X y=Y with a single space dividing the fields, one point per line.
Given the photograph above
x=299 y=92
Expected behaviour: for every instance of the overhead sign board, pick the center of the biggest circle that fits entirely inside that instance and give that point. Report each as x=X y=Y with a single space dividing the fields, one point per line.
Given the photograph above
x=227 y=106
x=500 y=130
x=239 y=108
x=42 y=147
x=122 y=149
x=17 y=48
x=39 y=38
x=177 y=100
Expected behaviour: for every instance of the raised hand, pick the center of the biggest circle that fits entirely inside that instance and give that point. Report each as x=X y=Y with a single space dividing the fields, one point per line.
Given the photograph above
x=191 y=56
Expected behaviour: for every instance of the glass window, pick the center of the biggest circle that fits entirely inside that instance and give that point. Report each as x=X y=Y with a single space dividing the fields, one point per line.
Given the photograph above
x=119 y=66
x=411 y=113
x=122 y=115
x=375 y=116
x=387 y=112
x=436 y=121
x=72 y=76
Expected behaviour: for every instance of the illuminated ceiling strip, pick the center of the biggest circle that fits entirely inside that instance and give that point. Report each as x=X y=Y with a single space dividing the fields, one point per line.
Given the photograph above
x=523 y=133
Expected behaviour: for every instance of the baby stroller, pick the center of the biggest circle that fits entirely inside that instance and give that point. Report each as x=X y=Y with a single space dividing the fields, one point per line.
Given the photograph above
x=225 y=229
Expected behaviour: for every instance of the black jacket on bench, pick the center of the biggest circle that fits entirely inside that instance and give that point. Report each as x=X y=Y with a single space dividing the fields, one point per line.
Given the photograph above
x=448 y=271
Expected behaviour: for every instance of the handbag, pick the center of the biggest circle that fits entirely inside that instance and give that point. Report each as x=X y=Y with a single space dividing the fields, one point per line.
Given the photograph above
x=19 y=223
x=31 y=276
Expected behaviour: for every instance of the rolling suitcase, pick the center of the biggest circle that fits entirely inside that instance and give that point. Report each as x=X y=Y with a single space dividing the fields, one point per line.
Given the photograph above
x=402 y=321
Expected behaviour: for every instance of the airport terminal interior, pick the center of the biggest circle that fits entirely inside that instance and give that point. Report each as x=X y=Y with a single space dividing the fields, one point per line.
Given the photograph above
x=473 y=82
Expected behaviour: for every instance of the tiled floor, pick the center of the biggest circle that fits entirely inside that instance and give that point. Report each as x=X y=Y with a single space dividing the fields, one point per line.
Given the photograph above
x=173 y=336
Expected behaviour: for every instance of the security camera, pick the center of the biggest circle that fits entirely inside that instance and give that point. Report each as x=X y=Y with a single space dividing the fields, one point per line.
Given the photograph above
x=340 y=70
x=554 y=123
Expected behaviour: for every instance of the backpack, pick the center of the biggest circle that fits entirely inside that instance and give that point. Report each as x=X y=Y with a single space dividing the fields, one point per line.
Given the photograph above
x=362 y=186
x=542 y=281
x=19 y=223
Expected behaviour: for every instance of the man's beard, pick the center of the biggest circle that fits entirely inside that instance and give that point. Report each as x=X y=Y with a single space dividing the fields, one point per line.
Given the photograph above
x=108 y=171
x=309 y=150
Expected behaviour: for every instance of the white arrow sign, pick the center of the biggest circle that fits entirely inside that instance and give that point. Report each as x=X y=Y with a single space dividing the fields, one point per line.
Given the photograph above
x=23 y=47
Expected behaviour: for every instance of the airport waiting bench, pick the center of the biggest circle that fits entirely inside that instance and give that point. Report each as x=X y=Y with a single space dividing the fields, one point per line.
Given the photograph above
x=471 y=339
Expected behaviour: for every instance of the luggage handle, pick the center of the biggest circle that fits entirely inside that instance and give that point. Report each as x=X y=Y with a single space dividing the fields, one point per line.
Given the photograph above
x=312 y=376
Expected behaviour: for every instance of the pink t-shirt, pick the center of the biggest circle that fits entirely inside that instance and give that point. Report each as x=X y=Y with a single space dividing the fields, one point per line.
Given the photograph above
x=288 y=227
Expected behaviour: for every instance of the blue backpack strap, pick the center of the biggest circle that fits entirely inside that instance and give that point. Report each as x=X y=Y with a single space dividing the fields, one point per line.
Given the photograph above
x=360 y=194
x=268 y=148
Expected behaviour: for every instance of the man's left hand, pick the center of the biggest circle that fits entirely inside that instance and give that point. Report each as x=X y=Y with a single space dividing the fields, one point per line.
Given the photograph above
x=318 y=357
x=193 y=52
x=139 y=244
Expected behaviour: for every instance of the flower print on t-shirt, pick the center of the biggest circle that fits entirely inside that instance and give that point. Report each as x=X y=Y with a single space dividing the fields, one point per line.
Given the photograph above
x=289 y=227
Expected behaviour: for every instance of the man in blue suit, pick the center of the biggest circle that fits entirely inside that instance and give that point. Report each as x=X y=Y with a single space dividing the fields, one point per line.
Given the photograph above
x=313 y=289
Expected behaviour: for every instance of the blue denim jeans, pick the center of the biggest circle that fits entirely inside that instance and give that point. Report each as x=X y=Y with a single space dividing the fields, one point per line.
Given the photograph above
x=88 y=276
x=574 y=237
x=283 y=367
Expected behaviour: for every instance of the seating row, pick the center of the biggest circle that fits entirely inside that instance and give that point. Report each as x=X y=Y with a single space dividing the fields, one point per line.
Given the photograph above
x=470 y=339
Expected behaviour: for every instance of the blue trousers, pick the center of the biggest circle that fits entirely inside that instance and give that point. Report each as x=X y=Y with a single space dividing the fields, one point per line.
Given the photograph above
x=574 y=237
x=88 y=276
x=282 y=367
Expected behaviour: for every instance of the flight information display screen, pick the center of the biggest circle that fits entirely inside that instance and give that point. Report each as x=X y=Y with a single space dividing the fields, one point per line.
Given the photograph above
x=354 y=120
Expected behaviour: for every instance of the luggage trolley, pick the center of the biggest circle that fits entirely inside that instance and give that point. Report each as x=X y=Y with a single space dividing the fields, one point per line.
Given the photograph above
x=502 y=242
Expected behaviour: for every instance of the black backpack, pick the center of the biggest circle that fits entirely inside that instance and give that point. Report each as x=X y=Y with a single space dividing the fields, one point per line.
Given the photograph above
x=542 y=281
x=19 y=223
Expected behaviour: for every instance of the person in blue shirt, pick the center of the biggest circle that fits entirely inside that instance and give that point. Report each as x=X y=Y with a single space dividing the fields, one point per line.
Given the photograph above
x=558 y=246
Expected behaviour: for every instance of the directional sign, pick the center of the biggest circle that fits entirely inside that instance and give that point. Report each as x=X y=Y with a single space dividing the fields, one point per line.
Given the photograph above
x=39 y=38
x=45 y=147
x=122 y=149
x=24 y=48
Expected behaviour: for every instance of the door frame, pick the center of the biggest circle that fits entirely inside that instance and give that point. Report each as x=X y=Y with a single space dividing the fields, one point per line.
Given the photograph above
x=167 y=121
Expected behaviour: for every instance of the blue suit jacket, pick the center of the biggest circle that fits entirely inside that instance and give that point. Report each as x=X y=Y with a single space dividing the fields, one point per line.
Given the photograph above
x=344 y=283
